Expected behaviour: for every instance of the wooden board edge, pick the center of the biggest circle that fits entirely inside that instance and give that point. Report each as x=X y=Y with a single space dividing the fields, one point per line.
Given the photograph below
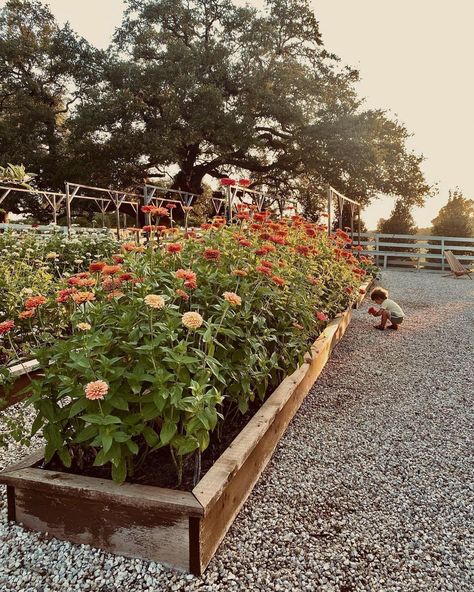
x=144 y=496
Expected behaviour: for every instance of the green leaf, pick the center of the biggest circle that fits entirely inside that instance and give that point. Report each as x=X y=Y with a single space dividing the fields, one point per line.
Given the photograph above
x=78 y=406
x=151 y=437
x=101 y=419
x=106 y=442
x=87 y=433
x=132 y=446
x=119 y=403
x=168 y=430
x=65 y=457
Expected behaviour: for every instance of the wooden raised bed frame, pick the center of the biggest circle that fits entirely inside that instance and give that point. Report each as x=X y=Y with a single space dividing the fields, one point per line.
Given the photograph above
x=179 y=529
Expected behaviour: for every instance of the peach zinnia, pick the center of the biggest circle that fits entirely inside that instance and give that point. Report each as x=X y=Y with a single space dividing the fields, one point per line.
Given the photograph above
x=232 y=298
x=154 y=301
x=96 y=390
x=192 y=320
x=81 y=297
x=27 y=314
x=83 y=326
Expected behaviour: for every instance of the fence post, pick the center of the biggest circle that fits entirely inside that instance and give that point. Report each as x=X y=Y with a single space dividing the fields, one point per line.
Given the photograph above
x=377 y=261
x=442 y=254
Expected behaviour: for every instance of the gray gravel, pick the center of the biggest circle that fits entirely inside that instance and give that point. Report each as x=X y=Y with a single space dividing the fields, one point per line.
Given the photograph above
x=371 y=489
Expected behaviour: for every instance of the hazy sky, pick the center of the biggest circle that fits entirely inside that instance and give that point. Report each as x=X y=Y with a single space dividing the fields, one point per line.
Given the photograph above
x=414 y=56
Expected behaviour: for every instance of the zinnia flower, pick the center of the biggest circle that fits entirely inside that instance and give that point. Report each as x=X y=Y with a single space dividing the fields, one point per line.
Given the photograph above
x=154 y=301
x=97 y=266
x=362 y=290
x=63 y=295
x=192 y=320
x=160 y=212
x=83 y=326
x=117 y=258
x=34 y=301
x=171 y=206
x=174 y=248
x=240 y=272
x=115 y=294
x=185 y=274
x=81 y=297
x=96 y=390
x=226 y=182
x=211 y=254
x=321 y=316
x=276 y=279
x=6 y=327
x=232 y=298
x=110 y=269
x=182 y=294
x=147 y=209
x=27 y=314
x=245 y=243
x=264 y=270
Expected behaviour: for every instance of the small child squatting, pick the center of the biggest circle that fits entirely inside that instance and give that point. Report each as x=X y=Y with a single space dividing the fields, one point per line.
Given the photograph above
x=388 y=311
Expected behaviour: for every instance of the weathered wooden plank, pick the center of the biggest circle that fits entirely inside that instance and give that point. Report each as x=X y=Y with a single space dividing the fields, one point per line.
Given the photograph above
x=103 y=490
x=156 y=534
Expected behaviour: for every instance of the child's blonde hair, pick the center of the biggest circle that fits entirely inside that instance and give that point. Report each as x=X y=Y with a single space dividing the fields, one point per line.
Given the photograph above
x=379 y=293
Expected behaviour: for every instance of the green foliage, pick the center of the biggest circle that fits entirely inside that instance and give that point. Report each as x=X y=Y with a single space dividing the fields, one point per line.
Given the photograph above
x=456 y=218
x=400 y=221
x=172 y=384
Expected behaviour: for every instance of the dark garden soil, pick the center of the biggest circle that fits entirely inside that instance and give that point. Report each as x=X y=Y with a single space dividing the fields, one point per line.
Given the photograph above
x=158 y=468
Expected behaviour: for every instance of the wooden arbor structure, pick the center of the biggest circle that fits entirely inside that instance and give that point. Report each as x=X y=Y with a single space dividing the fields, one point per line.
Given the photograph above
x=239 y=194
x=342 y=201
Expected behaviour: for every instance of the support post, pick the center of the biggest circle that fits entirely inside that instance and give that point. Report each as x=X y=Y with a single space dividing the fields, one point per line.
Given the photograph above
x=68 y=210
x=329 y=198
x=117 y=215
x=359 y=211
x=442 y=254
x=55 y=213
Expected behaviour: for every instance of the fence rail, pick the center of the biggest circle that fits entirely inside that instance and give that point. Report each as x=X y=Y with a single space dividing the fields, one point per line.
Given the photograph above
x=420 y=251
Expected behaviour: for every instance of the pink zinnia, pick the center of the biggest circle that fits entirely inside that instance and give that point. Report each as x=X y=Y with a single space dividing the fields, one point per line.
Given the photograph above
x=96 y=390
x=321 y=316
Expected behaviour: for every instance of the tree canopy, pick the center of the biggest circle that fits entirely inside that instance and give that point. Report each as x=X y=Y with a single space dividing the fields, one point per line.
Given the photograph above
x=197 y=89
x=456 y=218
x=400 y=221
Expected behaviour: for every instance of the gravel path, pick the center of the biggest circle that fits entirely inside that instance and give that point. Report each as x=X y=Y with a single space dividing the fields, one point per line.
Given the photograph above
x=371 y=489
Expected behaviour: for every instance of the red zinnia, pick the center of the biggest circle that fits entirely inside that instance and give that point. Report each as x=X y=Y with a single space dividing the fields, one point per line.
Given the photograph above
x=276 y=279
x=97 y=266
x=245 y=243
x=264 y=270
x=211 y=254
x=302 y=250
x=321 y=316
x=226 y=182
x=174 y=248
x=6 y=327
x=34 y=301
x=63 y=295
x=125 y=277
x=171 y=206
x=111 y=269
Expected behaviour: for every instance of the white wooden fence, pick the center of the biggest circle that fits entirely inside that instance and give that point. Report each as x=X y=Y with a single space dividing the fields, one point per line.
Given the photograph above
x=422 y=251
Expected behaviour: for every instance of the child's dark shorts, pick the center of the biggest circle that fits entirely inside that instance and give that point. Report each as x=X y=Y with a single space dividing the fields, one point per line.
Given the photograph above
x=396 y=320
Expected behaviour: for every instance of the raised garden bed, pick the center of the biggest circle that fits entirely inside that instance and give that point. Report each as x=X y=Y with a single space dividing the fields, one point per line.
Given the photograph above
x=177 y=528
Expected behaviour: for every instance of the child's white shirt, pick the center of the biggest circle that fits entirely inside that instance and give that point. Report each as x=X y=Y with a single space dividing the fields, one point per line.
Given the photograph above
x=393 y=308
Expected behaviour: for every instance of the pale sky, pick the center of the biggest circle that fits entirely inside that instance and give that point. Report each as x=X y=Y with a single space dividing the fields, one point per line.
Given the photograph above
x=414 y=56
